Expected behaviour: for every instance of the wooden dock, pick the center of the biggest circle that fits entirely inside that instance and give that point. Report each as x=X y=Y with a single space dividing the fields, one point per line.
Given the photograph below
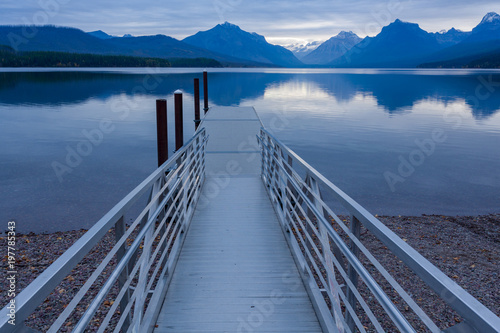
x=235 y=272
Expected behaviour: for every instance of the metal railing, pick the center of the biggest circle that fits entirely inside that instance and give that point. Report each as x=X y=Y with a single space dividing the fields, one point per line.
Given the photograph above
x=350 y=288
x=130 y=294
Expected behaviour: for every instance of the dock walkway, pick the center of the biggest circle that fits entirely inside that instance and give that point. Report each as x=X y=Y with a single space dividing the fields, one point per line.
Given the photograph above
x=235 y=272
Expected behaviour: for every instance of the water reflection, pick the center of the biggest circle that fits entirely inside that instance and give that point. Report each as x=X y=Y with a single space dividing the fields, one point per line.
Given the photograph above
x=395 y=93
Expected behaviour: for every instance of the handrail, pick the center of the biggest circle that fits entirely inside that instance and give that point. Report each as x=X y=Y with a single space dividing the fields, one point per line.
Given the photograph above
x=157 y=235
x=325 y=251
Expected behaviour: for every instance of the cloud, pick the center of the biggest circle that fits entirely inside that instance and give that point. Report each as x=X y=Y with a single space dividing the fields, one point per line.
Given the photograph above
x=275 y=19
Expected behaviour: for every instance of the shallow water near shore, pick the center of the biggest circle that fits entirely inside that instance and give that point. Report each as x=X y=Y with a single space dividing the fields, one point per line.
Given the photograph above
x=400 y=142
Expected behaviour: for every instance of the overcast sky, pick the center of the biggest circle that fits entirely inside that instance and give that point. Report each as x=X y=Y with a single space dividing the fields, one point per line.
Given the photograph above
x=280 y=21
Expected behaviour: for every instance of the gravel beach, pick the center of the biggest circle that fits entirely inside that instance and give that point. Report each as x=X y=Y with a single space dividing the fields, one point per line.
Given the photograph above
x=466 y=248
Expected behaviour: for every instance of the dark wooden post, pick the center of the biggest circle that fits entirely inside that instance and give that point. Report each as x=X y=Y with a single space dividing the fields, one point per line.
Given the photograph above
x=205 y=90
x=196 y=103
x=161 y=131
x=179 y=130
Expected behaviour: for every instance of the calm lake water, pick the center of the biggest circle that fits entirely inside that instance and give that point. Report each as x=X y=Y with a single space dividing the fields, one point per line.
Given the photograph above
x=400 y=142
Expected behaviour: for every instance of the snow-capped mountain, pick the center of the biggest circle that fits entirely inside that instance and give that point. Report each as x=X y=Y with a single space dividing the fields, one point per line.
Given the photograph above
x=451 y=37
x=491 y=17
x=488 y=29
x=300 y=50
x=332 y=49
x=481 y=46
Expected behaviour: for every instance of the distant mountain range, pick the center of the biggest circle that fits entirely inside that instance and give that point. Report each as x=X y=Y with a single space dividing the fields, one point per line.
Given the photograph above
x=400 y=44
x=59 y=39
x=403 y=44
x=300 y=50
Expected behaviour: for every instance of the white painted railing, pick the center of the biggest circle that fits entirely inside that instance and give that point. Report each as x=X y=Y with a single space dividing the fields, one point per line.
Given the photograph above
x=130 y=294
x=351 y=290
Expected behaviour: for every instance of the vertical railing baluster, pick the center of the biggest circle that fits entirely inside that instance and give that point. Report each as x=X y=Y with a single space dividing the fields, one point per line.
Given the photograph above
x=268 y=160
x=260 y=140
x=184 y=184
x=289 y=193
x=143 y=271
x=120 y=229
x=326 y=248
x=281 y=178
x=355 y=228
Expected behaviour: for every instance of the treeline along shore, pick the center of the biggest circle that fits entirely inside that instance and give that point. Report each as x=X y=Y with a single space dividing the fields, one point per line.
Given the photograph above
x=10 y=58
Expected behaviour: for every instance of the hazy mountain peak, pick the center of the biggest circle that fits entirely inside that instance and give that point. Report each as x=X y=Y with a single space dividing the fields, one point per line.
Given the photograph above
x=451 y=31
x=451 y=37
x=488 y=29
x=100 y=34
x=228 y=25
x=346 y=34
x=231 y=29
x=400 y=23
x=229 y=39
x=490 y=18
x=302 y=49
x=401 y=29
x=332 y=49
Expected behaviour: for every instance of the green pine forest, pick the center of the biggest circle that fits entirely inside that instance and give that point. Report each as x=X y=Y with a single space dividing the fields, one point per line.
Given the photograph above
x=11 y=58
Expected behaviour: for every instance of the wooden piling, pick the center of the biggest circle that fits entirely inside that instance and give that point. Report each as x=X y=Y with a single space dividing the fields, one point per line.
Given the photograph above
x=161 y=130
x=196 y=103
x=205 y=90
x=179 y=128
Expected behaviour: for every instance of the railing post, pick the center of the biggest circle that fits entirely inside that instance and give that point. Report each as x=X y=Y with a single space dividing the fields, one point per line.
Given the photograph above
x=196 y=103
x=119 y=232
x=184 y=187
x=327 y=252
x=161 y=131
x=264 y=141
x=355 y=228
x=179 y=127
x=143 y=271
x=205 y=90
